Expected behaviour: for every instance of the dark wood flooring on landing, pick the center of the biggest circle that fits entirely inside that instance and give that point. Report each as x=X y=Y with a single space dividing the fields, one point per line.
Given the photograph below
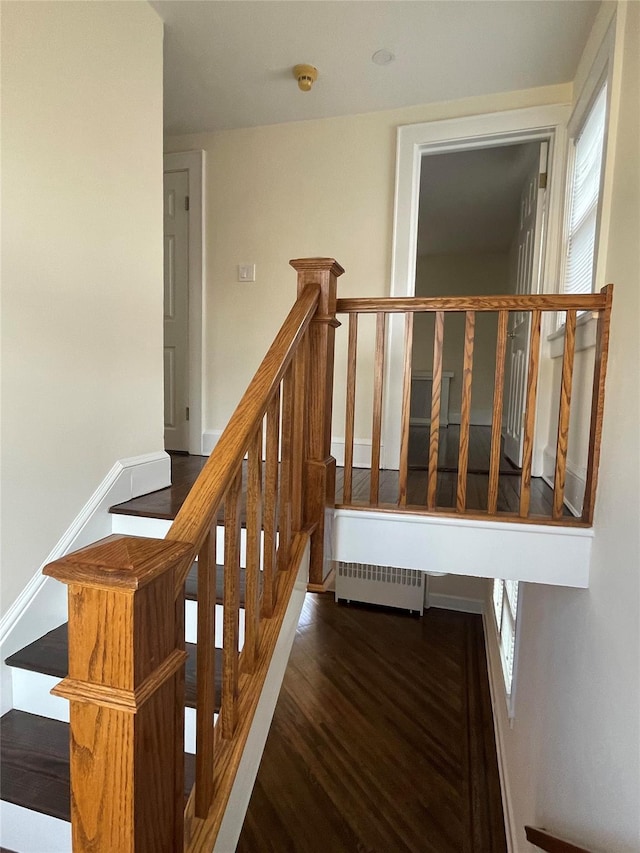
x=165 y=503
x=382 y=739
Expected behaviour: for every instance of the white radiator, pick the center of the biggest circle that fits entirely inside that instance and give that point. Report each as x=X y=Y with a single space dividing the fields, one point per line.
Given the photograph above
x=384 y=585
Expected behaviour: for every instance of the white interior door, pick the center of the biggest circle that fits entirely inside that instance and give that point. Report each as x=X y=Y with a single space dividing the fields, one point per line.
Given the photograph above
x=176 y=311
x=530 y=232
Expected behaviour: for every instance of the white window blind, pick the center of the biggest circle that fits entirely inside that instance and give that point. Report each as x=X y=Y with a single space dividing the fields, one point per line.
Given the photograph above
x=505 y=607
x=584 y=199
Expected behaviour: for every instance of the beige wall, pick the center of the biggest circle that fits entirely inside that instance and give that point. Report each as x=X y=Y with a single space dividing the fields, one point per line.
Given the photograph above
x=81 y=262
x=316 y=188
x=472 y=274
x=573 y=754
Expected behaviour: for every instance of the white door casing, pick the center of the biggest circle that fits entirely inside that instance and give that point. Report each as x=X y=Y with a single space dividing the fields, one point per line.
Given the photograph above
x=176 y=311
x=494 y=129
x=192 y=163
x=530 y=256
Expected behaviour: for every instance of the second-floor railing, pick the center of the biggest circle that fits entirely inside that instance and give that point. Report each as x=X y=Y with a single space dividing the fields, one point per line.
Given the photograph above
x=515 y=316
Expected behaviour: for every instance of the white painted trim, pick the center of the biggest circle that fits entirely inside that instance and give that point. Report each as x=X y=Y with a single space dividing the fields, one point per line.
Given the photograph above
x=455 y=602
x=42 y=605
x=498 y=694
x=361 y=452
x=469 y=132
x=210 y=438
x=33 y=832
x=236 y=810
x=575 y=481
x=586 y=336
x=193 y=162
x=555 y=555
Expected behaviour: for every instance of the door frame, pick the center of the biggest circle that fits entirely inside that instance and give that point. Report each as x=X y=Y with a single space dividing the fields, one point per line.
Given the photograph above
x=531 y=124
x=193 y=162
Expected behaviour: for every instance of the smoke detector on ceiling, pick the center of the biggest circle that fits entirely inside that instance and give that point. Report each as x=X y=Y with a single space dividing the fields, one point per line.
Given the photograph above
x=306 y=75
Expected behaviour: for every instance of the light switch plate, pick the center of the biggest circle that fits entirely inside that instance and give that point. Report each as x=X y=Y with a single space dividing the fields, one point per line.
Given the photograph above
x=246 y=272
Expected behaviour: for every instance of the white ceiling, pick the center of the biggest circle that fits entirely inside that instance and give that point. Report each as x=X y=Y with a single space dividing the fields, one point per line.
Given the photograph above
x=470 y=200
x=228 y=63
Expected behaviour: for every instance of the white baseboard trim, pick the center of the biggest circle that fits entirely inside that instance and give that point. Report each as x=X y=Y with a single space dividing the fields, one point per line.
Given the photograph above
x=210 y=438
x=455 y=602
x=479 y=417
x=42 y=605
x=236 y=810
x=574 y=484
x=499 y=705
x=361 y=452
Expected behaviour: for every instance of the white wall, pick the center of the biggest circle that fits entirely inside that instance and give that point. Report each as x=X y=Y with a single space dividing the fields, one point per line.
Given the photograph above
x=470 y=274
x=81 y=261
x=573 y=755
x=315 y=188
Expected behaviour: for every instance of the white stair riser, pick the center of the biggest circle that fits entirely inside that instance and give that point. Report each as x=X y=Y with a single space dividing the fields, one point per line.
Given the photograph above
x=191 y=624
x=32 y=832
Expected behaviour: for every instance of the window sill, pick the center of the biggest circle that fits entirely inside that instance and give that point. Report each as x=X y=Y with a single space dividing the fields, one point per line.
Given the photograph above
x=586 y=329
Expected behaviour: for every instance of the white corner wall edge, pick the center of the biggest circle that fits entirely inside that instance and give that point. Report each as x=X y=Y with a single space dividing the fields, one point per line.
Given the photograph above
x=536 y=553
x=498 y=695
x=42 y=605
x=236 y=810
x=32 y=832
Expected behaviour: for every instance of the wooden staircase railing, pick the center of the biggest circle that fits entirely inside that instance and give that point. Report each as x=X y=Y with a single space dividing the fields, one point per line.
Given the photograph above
x=533 y=307
x=126 y=602
x=551 y=843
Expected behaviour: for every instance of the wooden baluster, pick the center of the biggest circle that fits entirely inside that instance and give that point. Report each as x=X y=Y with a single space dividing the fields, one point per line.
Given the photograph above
x=465 y=411
x=299 y=434
x=123 y=686
x=530 y=414
x=320 y=473
x=350 y=409
x=496 y=421
x=597 y=404
x=406 y=409
x=564 y=414
x=376 y=430
x=286 y=443
x=436 y=391
x=231 y=627
x=269 y=575
x=206 y=674
x=254 y=531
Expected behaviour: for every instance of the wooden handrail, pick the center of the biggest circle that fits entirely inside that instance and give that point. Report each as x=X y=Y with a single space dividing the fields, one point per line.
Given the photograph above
x=198 y=512
x=551 y=843
x=527 y=302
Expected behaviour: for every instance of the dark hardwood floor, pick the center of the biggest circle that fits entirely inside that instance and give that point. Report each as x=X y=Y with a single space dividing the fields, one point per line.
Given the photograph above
x=382 y=738
x=185 y=469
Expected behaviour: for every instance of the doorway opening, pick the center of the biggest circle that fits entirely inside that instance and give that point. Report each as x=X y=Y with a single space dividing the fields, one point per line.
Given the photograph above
x=480 y=231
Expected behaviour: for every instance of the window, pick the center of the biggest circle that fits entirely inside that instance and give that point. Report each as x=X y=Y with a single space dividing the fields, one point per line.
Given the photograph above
x=505 y=608
x=585 y=192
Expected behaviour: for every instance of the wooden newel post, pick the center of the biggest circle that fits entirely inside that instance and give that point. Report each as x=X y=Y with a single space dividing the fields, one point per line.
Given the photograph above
x=319 y=502
x=125 y=685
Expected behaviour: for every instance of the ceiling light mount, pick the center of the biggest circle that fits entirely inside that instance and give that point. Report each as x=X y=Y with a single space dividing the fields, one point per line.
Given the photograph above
x=306 y=75
x=383 y=57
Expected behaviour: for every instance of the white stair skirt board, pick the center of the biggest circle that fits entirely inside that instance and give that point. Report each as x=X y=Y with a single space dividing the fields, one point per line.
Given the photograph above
x=488 y=549
x=575 y=481
x=499 y=706
x=32 y=832
x=234 y=815
x=42 y=605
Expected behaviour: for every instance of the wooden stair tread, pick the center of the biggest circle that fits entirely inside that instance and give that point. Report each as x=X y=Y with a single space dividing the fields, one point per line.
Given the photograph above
x=49 y=656
x=34 y=752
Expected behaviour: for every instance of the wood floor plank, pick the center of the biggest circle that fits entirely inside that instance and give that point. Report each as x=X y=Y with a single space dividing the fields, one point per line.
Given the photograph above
x=380 y=739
